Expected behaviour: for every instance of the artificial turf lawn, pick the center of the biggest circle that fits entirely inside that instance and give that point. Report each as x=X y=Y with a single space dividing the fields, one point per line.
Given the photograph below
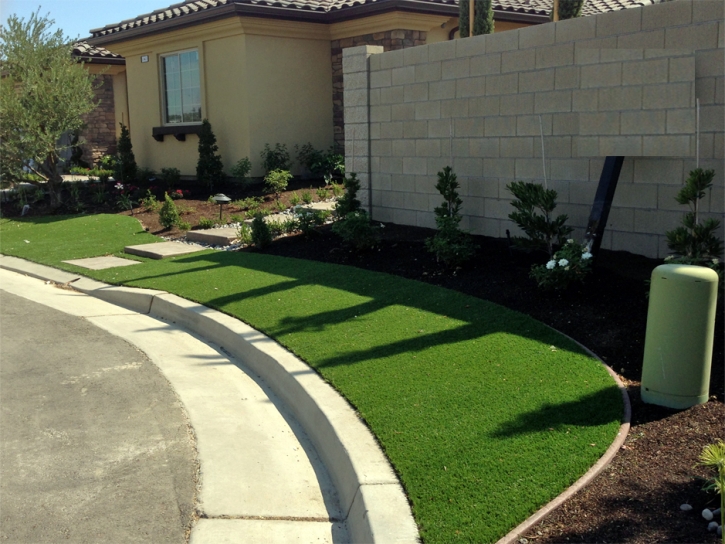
x=485 y=413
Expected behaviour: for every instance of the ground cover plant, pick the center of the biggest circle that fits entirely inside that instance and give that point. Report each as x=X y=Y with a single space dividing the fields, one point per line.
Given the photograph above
x=468 y=399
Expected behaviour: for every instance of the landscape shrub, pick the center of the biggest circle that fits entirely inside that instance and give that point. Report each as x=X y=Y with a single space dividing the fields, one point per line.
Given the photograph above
x=145 y=175
x=276 y=181
x=170 y=177
x=542 y=229
x=348 y=202
x=261 y=233
x=149 y=202
x=308 y=220
x=275 y=159
x=450 y=244
x=209 y=167
x=356 y=230
x=713 y=455
x=244 y=233
x=126 y=167
x=322 y=194
x=295 y=199
x=572 y=263
x=306 y=197
x=241 y=170
x=169 y=213
x=206 y=223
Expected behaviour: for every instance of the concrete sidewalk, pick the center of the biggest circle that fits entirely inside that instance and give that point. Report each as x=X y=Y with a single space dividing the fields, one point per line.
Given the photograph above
x=260 y=477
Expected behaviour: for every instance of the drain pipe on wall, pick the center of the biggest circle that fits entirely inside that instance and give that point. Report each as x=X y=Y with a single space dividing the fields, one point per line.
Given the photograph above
x=543 y=156
x=697 y=132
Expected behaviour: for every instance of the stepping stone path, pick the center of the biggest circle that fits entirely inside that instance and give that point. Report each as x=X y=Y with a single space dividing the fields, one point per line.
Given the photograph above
x=101 y=263
x=162 y=250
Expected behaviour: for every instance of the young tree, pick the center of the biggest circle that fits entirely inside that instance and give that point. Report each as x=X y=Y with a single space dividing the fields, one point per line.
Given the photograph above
x=126 y=164
x=43 y=94
x=209 y=168
x=568 y=9
x=483 y=22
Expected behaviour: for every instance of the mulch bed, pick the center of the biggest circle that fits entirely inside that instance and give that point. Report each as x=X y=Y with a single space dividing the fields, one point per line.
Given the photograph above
x=637 y=498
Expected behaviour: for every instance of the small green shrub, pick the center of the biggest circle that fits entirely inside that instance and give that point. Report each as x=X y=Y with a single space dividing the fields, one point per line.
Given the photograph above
x=295 y=199
x=276 y=181
x=251 y=203
x=713 y=455
x=237 y=218
x=170 y=177
x=244 y=233
x=308 y=220
x=169 y=213
x=281 y=206
x=209 y=167
x=126 y=167
x=289 y=225
x=145 y=175
x=349 y=203
x=309 y=157
x=241 y=170
x=543 y=230
x=206 y=223
x=356 y=230
x=275 y=159
x=98 y=193
x=307 y=197
x=572 y=263
x=184 y=225
x=322 y=194
x=261 y=233
x=149 y=202
x=275 y=228
x=338 y=189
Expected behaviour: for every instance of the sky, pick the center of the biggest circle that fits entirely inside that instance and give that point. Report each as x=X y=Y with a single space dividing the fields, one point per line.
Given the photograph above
x=77 y=17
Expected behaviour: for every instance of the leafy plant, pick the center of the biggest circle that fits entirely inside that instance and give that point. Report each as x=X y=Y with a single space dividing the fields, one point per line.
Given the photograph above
x=241 y=169
x=275 y=159
x=237 y=218
x=250 y=203
x=483 y=22
x=169 y=213
x=170 y=177
x=322 y=194
x=209 y=167
x=276 y=181
x=178 y=194
x=98 y=193
x=542 y=229
x=356 y=230
x=126 y=168
x=338 y=189
x=308 y=220
x=261 y=233
x=450 y=244
x=713 y=455
x=149 y=202
x=183 y=225
x=294 y=199
x=75 y=205
x=349 y=203
x=309 y=157
x=145 y=175
x=572 y=263
x=289 y=225
x=281 y=206
x=244 y=233
x=124 y=200
x=206 y=223
x=307 y=197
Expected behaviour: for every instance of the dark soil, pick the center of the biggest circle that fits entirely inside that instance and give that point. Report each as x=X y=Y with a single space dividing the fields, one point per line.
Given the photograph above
x=637 y=498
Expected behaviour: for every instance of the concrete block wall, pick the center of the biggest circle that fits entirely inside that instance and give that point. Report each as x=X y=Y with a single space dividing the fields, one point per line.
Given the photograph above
x=622 y=83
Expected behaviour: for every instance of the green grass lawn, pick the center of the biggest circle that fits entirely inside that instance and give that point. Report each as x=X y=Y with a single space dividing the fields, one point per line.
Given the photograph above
x=485 y=413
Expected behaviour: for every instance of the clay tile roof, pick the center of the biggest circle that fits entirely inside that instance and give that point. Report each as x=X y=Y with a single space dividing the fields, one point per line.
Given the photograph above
x=90 y=53
x=194 y=8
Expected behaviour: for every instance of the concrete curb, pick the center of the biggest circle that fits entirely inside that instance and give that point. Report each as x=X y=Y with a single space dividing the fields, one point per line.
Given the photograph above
x=370 y=495
x=513 y=536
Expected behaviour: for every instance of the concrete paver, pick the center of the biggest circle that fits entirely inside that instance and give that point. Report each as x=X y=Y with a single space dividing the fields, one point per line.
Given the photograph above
x=216 y=237
x=162 y=250
x=101 y=263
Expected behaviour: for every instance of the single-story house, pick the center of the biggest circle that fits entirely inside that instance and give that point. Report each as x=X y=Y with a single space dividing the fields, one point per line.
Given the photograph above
x=265 y=71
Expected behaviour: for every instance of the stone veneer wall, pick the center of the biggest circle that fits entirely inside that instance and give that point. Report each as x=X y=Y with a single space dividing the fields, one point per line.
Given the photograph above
x=621 y=83
x=100 y=131
x=390 y=41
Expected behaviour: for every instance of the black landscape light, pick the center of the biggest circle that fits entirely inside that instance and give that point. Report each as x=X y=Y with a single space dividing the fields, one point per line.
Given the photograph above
x=221 y=199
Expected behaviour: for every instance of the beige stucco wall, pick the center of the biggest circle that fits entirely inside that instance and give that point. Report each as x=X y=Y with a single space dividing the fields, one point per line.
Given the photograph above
x=622 y=83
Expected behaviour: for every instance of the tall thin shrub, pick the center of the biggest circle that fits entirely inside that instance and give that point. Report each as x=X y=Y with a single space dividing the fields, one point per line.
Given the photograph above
x=126 y=164
x=209 y=167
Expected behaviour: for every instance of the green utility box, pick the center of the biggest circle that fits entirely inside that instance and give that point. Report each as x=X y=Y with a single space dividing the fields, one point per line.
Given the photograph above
x=680 y=330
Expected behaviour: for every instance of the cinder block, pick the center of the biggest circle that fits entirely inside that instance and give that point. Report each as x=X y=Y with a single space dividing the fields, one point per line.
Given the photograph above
x=502 y=84
x=382 y=78
x=671 y=95
x=430 y=71
x=442 y=51
x=579 y=28
x=357 y=131
x=554 y=146
x=620 y=145
x=621 y=55
x=358 y=98
x=415 y=55
x=416 y=92
x=468 y=166
x=379 y=114
x=357 y=114
x=585 y=100
x=707 y=141
x=719 y=146
x=570 y=169
x=454 y=108
x=665 y=146
x=461 y=148
x=635 y=195
x=586 y=55
x=415 y=129
x=402 y=112
x=483 y=106
x=681 y=121
x=418 y=202
x=374 y=61
x=721 y=34
x=717 y=205
x=655 y=221
x=599 y=123
x=356 y=81
x=374 y=131
x=536 y=80
x=702 y=36
x=533 y=125
x=705 y=90
x=555 y=55
x=394 y=59
x=567 y=77
x=483 y=187
x=601 y=75
x=473 y=206
x=537 y=36
x=641 y=244
x=390 y=95
x=585 y=146
x=642 y=40
x=682 y=69
x=381 y=148
x=666 y=198
x=529 y=169
x=428 y=148
x=517 y=104
x=471 y=86
x=658 y=171
x=471 y=46
x=666 y=15
x=712 y=118
x=620 y=98
x=484 y=226
x=484 y=147
x=381 y=182
x=381 y=213
x=669 y=53
x=426 y=185
x=415 y=165
x=455 y=68
x=502 y=41
x=624 y=21
x=499 y=168
x=552 y=101
x=643 y=122
x=720 y=91
x=404 y=217
x=361 y=165
x=582 y=192
x=519 y=147
x=425 y=220
x=403 y=148
x=442 y=90
x=565 y=124
x=645 y=72
x=403 y=75
x=388 y=165
x=710 y=63
x=621 y=219
x=498 y=208
x=468 y=128
x=707 y=10
x=562 y=191
x=518 y=61
x=485 y=65
x=500 y=126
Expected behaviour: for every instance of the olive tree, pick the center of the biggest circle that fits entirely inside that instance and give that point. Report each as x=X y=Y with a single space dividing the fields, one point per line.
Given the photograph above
x=44 y=93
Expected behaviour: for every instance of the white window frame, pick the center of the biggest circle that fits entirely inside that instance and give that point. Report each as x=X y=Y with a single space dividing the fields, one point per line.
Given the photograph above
x=164 y=92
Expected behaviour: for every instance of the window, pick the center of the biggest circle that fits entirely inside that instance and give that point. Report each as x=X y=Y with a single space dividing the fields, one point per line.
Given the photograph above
x=182 y=89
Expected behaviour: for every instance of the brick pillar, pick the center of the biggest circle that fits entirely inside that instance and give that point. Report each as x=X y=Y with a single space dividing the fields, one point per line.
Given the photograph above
x=356 y=74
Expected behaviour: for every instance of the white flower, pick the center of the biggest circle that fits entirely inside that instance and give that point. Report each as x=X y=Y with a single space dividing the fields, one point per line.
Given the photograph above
x=586 y=256
x=716 y=261
x=563 y=262
x=669 y=258
x=570 y=241
x=119 y=186
x=382 y=226
x=550 y=265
